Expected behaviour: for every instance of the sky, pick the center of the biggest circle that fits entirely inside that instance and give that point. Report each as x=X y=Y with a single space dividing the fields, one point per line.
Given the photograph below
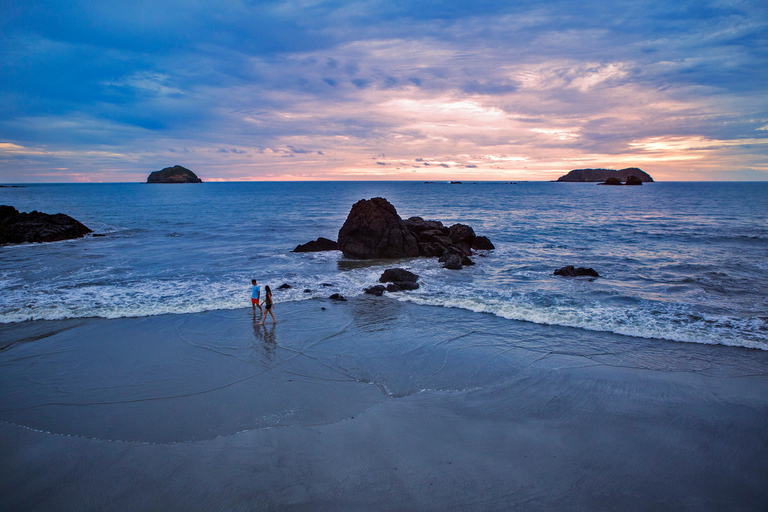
x=382 y=90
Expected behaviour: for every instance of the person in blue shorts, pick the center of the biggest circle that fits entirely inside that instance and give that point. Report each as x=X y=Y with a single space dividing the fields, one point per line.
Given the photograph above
x=255 y=295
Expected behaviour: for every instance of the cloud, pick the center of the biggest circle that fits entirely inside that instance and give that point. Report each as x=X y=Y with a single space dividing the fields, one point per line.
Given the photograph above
x=516 y=89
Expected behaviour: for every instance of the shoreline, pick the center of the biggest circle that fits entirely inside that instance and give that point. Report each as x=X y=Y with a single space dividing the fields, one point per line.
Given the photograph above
x=379 y=404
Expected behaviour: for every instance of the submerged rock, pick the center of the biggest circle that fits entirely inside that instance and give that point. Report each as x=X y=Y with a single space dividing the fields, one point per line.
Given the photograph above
x=377 y=290
x=175 y=174
x=402 y=286
x=337 y=296
x=17 y=228
x=284 y=286
x=570 y=271
x=321 y=244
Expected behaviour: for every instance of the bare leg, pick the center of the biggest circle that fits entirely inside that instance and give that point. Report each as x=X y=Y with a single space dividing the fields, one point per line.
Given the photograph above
x=263 y=317
x=273 y=316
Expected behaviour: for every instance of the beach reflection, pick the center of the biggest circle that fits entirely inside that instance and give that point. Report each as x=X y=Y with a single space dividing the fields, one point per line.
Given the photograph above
x=266 y=338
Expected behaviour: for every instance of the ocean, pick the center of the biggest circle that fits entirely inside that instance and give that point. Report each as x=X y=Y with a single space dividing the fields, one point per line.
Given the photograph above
x=685 y=262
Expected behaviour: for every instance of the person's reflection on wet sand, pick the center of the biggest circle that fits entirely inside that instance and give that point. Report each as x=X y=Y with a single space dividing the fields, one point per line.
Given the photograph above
x=266 y=337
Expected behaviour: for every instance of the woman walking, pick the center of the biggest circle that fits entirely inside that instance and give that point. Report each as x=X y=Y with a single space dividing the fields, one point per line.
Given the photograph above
x=268 y=306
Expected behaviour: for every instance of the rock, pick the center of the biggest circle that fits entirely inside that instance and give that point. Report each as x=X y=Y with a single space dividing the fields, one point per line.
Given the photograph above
x=175 y=174
x=307 y=290
x=634 y=180
x=417 y=225
x=612 y=181
x=284 y=286
x=373 y=230
x=393 y=287
x=327 y=285
x=570 y=271
x=466 y=261
x=393 y=275
x=462 y=234
x=321 y=244
x=377 y=290
x=406 y=285
x=17 y=228
x=338 y=297
x=452 y=261
x=482 y=243
x=98 y=234
x=598 y=175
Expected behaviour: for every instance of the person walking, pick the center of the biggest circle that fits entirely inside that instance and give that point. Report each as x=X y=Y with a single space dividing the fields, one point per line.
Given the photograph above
x=255 y=296
x=269 y=306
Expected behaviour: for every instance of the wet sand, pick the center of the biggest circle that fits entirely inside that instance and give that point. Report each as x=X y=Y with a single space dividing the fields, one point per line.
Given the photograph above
x=374 y=404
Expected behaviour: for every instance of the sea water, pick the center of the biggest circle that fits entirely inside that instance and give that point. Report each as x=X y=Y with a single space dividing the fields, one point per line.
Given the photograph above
x=685 y=262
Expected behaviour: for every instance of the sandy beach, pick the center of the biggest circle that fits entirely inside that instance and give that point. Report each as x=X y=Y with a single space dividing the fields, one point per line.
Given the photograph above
x=374 y=404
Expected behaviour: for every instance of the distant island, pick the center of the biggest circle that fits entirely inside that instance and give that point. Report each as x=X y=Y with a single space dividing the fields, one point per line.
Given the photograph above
x=175 y=174
x=601 y=175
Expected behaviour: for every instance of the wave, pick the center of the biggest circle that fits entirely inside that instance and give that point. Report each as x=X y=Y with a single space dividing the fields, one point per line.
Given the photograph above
x=650 y=321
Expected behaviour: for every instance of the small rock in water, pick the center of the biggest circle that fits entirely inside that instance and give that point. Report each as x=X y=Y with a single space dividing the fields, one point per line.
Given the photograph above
x=482 y=243
x=323 y=309
x=394 y=275
x=307 y=291
x=284 y=286
x=452 y=261
x=376 y=290
x=570 y=271
x=337 y=296
x=319 y=245
x=326 y=284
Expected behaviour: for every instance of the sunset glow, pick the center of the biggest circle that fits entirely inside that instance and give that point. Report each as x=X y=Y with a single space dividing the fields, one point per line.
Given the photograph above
x=376 y=91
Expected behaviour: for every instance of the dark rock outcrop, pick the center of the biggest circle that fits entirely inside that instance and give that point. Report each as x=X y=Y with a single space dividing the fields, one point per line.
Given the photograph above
x=373 y=229
x=337 y=296
x=482 y=243
x=570 y=271
x=175 y=174
x=399 y=279
x=396 y=275
x=321 y=244
x=452 y=261
x=284 y=286
x=17 y=228
x=598 y=175
x=634 y=180
x=612 y=181
x=377 y=290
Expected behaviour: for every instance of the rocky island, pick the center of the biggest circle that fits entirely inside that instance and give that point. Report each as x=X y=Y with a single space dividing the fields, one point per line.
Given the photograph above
x=374 y=230
x=602 y=175
x=18 y=228
x=175 y=174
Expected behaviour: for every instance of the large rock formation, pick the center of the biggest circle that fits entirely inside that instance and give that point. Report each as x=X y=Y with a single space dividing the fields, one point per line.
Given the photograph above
x=175 y=174
x=373 y=230
x=598 y=175
x=17 y=228
x=633 y=180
